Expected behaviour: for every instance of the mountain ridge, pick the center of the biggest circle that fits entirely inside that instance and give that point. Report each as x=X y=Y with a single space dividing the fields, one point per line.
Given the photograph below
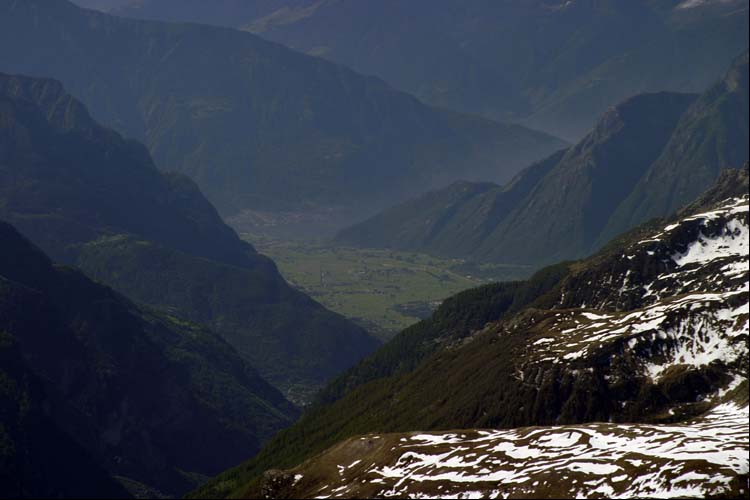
x=127 y=385
x=91 y=199
x=547 y=212
x=696 y=151
x=253 y=123
x=646 y=157
x=556 y=66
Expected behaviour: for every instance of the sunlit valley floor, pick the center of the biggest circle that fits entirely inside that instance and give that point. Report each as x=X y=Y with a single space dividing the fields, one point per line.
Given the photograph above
x=383 y=291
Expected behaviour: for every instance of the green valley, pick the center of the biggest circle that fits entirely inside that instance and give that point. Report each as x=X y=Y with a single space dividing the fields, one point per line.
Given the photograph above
x=384 y=291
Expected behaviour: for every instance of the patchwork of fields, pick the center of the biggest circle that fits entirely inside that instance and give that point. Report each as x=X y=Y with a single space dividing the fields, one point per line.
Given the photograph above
x=382 y=290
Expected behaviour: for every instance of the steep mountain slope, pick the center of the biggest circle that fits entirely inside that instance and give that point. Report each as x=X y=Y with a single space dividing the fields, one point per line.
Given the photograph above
x=60 y=168
x=453 y=221
x=89 y=198
x=645 y=158
x=456 y=318
x=713 y=133
x=685 y=51
x=256 y=125
x=37 y=459
x=557 y=64
x=653 y=329
x=152 y=399
x=662 y=337
x=565 y=212
x=552 y=210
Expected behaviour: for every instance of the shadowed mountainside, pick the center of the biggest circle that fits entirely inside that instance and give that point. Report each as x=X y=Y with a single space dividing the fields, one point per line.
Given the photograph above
x=89 y=198
x=150 y=398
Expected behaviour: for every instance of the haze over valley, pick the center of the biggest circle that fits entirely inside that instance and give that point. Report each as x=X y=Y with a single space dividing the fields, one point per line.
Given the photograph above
x=374 y=248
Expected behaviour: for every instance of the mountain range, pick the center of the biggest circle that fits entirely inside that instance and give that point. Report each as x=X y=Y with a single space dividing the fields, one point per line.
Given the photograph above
x=90 y=198
x=149 y=350
x=644 y=342
x=645 y=158
x=256 y=125
x=556 y=65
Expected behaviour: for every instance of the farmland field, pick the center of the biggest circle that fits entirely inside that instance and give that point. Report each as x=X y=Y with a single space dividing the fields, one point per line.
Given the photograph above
x=382 y=290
